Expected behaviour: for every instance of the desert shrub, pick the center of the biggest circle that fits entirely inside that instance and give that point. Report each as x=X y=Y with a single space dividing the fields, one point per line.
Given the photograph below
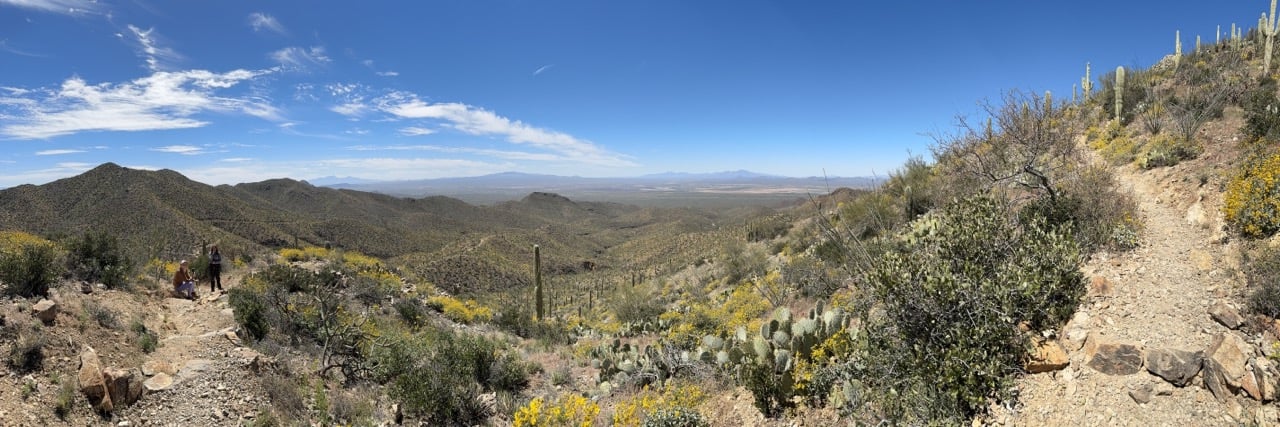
x=869 y=215
x=1168 y=150
x=1262 y=112
x=26 y=354
x=568 y=410
x=103 y=316
x=465 y=312
x=249 y=308
x=412 y=311
x=1113 y=143
x=352 y=408
x=951 y=301
x=65 y=401
x=147 y=339
x=284 y=395
x=1252 y=201
x=28 y=264
x=438 y=374
x=741 y=261
x=1262 y=273
x=675 y=418
x=633 y=305
x=913 y=188
x=98 y=257
x=768 y=226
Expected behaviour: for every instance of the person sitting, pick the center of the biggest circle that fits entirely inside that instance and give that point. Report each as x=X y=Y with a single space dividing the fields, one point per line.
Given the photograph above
x=183 y=283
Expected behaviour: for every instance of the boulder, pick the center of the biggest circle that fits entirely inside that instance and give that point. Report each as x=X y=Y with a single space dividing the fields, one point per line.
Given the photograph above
x=121 y=388
x=1177 y=367
x=45 y=310
x=1227 y=316
x=91 y=381
x=1047 y=356
x=1224 y=364
x=1142 y=394
x=159 y=382
x=1260 y=380
x=1115 y=358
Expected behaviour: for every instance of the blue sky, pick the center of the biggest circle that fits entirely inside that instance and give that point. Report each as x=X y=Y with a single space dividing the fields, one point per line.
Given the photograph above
x=241 y=91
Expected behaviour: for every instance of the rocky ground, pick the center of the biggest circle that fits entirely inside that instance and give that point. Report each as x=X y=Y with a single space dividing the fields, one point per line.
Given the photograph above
x=1160 y=339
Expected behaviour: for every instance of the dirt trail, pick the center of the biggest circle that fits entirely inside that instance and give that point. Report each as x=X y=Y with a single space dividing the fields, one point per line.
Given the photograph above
x=1156 y=296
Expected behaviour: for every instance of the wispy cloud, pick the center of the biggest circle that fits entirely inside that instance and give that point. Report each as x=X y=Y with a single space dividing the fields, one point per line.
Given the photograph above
x=188 y=150
x=66 y=7
x=542 y=69
x=261 y=21
x=252 y=170
x=158 y=58
x=236 y=160
x=416 y=131
x=387 y=73
x=57 y=152
x=163 y=100
x=40 y=176
x=351 y=109
x=500 y=154
x=5 y=46
x=300 y=59
x=383 y=73
x=478 y=121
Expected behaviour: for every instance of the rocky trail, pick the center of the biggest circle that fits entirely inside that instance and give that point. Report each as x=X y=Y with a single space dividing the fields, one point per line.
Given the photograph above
x=1139 y=350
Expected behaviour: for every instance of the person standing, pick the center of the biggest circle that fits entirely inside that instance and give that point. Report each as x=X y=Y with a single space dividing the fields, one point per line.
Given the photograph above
x=215 y=269
x=183 y=283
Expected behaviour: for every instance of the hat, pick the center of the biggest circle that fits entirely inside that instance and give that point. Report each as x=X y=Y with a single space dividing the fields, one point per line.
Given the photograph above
x=184 y=262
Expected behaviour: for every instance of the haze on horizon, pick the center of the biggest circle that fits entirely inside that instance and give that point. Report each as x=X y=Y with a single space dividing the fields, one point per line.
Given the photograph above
x=230 y=93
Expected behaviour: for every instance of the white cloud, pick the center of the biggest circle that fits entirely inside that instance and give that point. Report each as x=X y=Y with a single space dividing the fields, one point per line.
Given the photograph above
x=478 y=121
x=299 y=59
x=157 y=57
x=542 y=69
x=356 y=131
x=189 y=150
x=236 y=160
x=41 y=176
x=387 y=73
x=57 y=152
x=501 y=154
x=261 y=21
x=163 y=100
x=351 y=109
x=5 y=46
x=250 y=170
x=416 y=131
x=67 y=7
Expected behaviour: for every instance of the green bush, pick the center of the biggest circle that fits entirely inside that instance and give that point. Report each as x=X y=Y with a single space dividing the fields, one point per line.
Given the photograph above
x=66 y=400
x=98 y=257
x=1262 y=273
x=29 y=269
x=26 y=354
x=951 y=300
x=412 y=311
x=1168 y=150
x=632 y=305
x=147 y=339
x=439 y=375
x=250 y=311
x=667 y=417
x=1262 y=112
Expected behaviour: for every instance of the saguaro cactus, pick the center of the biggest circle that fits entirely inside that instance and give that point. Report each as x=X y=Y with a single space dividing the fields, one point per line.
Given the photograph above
x=537 y=281
x=1269 y=29
x=1119 y=91
x=1177 y=47
x=1086 y=83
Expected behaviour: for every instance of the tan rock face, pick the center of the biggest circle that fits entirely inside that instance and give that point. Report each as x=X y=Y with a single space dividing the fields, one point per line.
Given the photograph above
x=1225 y=315
x=1260 y=381
x=1047 y=356
x=120 y=386
x=1116 y=358
x=91 y=381
x=1175 y=366
x=152 y=367
x=1224 y=364
x=45 y=310
x=159 y=382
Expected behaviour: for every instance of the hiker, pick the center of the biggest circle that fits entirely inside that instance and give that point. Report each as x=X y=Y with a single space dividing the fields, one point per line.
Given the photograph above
x=215 y=269
x=183 y=283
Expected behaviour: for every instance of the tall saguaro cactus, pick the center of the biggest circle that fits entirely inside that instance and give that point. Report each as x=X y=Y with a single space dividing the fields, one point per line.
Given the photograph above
x=1177 y=47
x=537 y=281
x=1270 y=31
x=1119 y=91
x=1086 y=83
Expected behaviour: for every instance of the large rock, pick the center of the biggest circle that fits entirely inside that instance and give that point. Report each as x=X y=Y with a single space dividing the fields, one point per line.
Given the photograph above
x=1114 y=358
x=123 y=386
x=159 y=382
x=1260 y=380
x=1227 y=316
x=46 y=311
x=1047 y=356
x=1224 y=364
x=91 y=381
x=152 y=367
x=1175 y=366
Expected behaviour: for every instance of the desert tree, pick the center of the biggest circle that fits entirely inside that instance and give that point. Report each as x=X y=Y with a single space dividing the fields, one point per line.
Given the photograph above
x=1026 y=142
